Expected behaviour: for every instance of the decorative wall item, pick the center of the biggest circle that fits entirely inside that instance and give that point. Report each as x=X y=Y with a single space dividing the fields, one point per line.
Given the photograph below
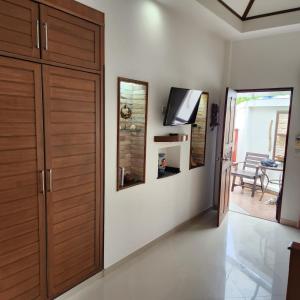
x=168 y=161
x=214 y=118
x=162 y=164
x=297 y=145
x=132 y=131
x=198 y=134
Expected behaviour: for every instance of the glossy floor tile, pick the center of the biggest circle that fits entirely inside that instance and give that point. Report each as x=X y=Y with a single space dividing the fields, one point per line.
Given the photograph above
x=246 y=258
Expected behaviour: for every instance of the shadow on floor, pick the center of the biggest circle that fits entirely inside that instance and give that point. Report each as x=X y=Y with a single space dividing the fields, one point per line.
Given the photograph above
x=207 y=221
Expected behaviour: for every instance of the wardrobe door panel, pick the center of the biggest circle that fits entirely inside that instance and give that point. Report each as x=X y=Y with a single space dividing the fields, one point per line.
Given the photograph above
x=19 y=27
x=69 y=39
x=22 y=235
x=72 y=122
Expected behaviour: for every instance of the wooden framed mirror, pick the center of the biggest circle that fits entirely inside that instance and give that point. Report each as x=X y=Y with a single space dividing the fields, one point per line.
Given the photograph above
x=132 y=132
x=198 y=134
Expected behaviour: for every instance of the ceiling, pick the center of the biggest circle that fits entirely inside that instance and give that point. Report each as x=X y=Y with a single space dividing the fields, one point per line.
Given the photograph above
x=253 y=9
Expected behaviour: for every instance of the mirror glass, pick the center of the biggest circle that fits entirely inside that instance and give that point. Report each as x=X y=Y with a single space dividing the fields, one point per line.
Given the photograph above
x=132 y=130
x=198 y=134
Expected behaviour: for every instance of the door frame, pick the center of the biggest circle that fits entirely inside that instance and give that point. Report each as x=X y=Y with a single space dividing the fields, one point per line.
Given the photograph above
x=280 y=89
x=220 y=151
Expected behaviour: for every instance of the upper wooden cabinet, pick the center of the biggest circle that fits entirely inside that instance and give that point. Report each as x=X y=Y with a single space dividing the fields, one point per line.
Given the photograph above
x=68 y=39
x=19 y=27
x=35 y=30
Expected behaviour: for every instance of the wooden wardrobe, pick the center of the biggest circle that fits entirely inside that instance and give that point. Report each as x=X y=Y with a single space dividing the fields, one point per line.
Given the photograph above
x=51 y=146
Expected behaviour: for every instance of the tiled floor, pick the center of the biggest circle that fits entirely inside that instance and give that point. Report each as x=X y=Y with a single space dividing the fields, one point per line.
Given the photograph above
x=241 y=201
x=246 y=258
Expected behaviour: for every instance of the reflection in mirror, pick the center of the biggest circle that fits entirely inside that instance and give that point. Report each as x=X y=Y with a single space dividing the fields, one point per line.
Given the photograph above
x=132 y=130
x=198 y=134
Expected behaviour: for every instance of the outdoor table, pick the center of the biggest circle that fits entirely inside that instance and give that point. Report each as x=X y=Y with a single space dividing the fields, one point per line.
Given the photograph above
x=264 y=170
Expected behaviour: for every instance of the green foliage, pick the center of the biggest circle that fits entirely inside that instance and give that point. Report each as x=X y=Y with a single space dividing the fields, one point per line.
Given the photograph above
x=242 y=99
x=259 y=96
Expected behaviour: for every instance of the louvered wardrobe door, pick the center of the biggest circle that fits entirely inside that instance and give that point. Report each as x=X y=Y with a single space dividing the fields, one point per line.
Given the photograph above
x=72 y=122
x=22 y=251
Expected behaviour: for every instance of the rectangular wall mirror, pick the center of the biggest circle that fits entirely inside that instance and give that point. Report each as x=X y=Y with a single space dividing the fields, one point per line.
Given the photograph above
x=132 y=131
x=198 y=134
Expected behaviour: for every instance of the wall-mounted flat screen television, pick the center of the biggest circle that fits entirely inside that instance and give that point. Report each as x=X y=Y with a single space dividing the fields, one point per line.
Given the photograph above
x=182 y=106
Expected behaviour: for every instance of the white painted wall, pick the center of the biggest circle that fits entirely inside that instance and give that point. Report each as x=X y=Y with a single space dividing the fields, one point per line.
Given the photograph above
x=167 y=43
x=274 y=62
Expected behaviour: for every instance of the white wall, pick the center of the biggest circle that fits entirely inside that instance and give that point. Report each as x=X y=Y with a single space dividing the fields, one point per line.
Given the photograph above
x=167 y=43
x=274 y=62
x=254 y=123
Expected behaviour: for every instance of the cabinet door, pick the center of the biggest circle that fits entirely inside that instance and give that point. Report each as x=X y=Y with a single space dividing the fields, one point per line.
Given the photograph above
x=19 y=27
x=72 y=122
x=22 y=238
x=69 y=39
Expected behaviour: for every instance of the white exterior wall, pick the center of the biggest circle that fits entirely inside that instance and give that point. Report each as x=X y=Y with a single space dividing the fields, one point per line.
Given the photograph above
x=253 y=123
x=254 y=129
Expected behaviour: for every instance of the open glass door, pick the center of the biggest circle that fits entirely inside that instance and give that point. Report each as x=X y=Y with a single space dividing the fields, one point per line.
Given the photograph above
x=226 y=154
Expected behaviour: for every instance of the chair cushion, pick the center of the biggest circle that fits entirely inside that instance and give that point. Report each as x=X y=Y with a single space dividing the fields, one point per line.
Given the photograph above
x=246 y=174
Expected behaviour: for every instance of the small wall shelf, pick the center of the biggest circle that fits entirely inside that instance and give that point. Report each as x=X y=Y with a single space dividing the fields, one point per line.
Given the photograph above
x=171 y=138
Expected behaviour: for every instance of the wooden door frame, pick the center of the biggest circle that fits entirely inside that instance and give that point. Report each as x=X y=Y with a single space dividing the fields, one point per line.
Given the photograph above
x=280 y=89
x=281 y=112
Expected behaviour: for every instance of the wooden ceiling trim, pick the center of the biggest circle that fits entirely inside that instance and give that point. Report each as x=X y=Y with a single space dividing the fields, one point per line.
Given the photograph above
x=279 y=12
x=230 y=9
x=247 y=10
x=251 y=2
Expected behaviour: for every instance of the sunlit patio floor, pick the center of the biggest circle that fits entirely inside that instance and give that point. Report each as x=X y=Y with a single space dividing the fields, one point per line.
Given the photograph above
x=242 y=202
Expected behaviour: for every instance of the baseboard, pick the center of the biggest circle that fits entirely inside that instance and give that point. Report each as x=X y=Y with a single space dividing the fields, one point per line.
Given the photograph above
x=155 y=242
x=115 y=266
x=290 y=223
x=70 y=294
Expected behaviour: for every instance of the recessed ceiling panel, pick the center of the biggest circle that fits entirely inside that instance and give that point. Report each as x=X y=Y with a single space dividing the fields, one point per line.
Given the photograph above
x=239 y=6
x=269 y=6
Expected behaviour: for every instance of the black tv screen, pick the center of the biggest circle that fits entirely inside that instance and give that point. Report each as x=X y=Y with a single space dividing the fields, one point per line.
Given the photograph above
x=182 y=106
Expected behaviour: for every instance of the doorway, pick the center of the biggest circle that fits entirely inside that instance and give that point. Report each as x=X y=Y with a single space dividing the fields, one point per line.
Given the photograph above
x=260 y=135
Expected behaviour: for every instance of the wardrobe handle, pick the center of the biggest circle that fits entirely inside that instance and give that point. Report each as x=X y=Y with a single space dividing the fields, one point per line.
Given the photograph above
x=38 y=34
x=46 y=36
x=50 y=180
x=42 y=175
